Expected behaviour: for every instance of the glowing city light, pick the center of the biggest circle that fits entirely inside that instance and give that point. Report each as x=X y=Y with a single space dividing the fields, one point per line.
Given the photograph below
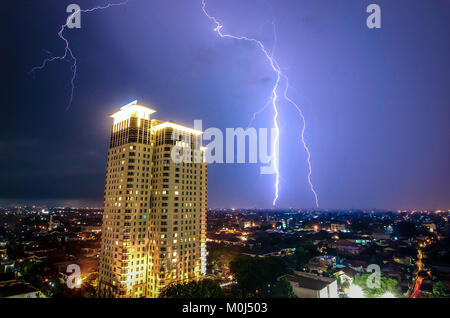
x=132 y=110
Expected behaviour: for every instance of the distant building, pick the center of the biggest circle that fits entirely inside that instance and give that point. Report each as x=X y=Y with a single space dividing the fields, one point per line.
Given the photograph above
x=358 y=265
x=393 y=270
x=322 y=263
x=266 y=252
x=49 y=255
x=306 y=285
x=379 y=236
x=336 y=227
x=91 y=228
x=347 y=247
x=431 y=227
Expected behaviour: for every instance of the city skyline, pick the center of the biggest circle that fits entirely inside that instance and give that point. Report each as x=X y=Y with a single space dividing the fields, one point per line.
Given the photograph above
x=376 y=122
x=81 y=204
x=408 y=249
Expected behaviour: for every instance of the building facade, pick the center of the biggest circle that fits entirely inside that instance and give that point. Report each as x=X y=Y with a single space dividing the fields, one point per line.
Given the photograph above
x=154 y=221
x=307 y=285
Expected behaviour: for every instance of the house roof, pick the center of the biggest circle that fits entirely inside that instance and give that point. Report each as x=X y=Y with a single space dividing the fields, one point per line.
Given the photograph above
x=309 y=282
x=15 y=288
x=350 y=272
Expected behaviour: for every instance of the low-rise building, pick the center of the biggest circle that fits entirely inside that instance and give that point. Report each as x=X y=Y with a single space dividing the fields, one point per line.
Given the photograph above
x=347 y=247
x=346 y=275
x=6 y=266
x=381 y=236
x=19 y=289
x=338 y=227
x=322 y=263
x=307 y=285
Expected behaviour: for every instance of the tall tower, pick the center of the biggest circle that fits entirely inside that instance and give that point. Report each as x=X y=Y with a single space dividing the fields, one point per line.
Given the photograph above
x=154 y=221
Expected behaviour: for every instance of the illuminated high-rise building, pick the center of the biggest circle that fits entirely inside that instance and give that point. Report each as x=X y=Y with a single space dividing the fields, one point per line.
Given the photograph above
x=154 y=221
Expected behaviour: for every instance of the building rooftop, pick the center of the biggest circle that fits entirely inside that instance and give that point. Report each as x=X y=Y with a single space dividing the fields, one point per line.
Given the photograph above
x=171 y=124
x=350 y=272
x=15 y=288
x=309 y=281
x=132 y=109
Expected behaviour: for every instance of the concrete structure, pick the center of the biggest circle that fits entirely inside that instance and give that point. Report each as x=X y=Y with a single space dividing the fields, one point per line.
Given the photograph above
x=154 y=222
x=306 y=285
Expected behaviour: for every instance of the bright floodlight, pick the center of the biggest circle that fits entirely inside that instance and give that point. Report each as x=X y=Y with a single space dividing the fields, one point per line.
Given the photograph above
x=355 y=292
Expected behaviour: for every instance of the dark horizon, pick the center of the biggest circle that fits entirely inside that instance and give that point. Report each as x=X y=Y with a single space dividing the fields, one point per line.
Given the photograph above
x=82 y=203
x=376 y=102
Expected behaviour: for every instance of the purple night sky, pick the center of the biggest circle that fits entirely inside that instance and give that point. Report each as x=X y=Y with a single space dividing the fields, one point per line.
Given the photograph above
x=376 y=101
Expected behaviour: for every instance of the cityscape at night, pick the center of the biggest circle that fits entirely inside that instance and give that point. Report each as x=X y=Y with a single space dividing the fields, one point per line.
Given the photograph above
x=225 y=156
x=330 y=248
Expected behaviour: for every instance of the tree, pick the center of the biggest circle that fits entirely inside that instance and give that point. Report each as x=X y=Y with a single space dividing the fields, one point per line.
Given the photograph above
x=31 y=271
x=14 y=250
x=215 y=260
x=408 y=229
x=386 y=285
x=206 y=288
x=359 y=226
x=244 y=269
x=257 y=277
x=281 y=289
x=342 y=284
x=304 y=252
x=440 y=290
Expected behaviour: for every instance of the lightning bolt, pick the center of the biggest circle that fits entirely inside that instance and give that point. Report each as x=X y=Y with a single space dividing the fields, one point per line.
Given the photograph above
x=274 y=98
x=302 y=135
x=68 y=51
x=270 y=98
